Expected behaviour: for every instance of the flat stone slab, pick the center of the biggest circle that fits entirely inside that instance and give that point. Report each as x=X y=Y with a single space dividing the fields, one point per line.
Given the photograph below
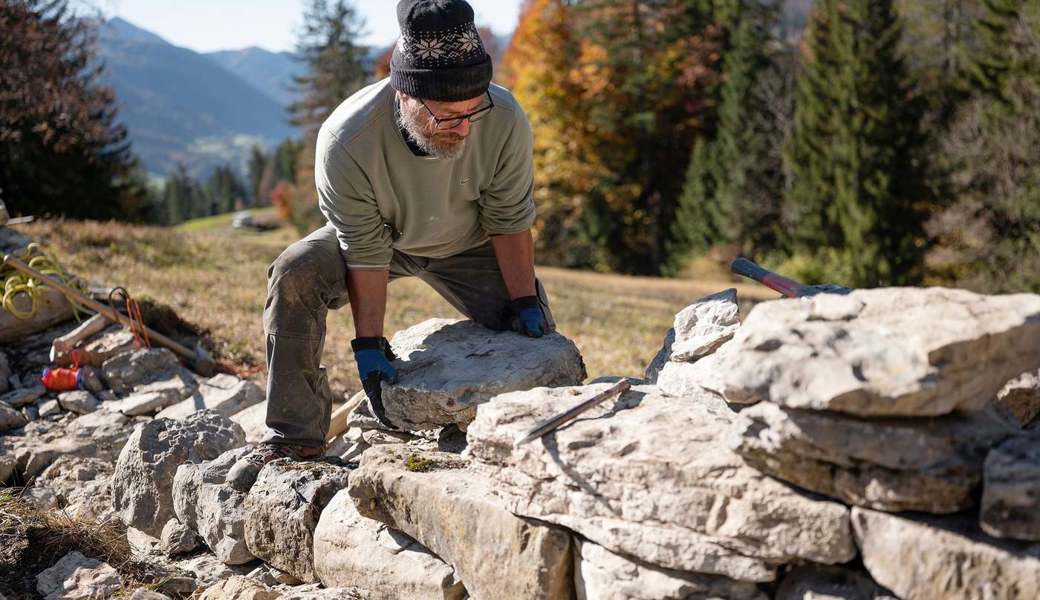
x=602 y=575
x=923 y=558
x=447 y=368
x=651 y=477
x=1011 y=490
x=125 y=371
x=447 y=507
x=376 y=561
x=282 y=511
x=23 y=396
x=884 y=352
x=928 y=464
x=223 y=394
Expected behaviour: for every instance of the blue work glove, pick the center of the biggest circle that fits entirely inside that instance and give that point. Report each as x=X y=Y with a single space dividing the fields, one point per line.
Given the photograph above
x=529 y=318
x=373 y=356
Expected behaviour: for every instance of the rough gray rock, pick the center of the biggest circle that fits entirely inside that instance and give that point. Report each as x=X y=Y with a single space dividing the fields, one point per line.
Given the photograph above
x=681 y=379
x=147 y=594
x=819 y=582
x=78 y=402
x=151 y=397
x=49 y=408
x=100 y=434
x=143 y=479
x=651 y=477
x=705 y=325
x=452 y=510
x=1020 y=398
x=10 y=418
x=212 y=508
x=76 y=577
x=602 y=575
x=928 y=464
x=176 y=538
x=253 y=421
x=1011 y=490
x=447 y=368
x=224 y=394
x=282 y=511
x=148 y=403
x=81 y=486
x=239 y=588
x=125 y=371
x=924 y=558
x=111 y=342
x=23 y=396
x=357 y=552
x=884 y=352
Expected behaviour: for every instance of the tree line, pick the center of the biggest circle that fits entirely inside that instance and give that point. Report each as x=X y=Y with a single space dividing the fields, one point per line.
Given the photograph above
x=892 y=142
x=896 y=143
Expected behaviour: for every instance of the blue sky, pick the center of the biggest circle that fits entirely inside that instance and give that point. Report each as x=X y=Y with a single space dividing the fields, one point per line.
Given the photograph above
x=207 y=25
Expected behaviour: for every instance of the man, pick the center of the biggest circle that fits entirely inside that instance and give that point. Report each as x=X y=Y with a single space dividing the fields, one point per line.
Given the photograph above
x=426 y=174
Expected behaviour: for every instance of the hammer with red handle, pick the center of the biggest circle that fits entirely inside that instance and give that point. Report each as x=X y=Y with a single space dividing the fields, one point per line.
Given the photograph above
x=788 y=287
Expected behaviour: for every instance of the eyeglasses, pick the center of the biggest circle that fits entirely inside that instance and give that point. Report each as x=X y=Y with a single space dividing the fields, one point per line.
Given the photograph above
x=453 y=122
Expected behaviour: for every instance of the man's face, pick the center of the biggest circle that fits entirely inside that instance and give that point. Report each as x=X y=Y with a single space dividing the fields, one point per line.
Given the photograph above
x=432 y=139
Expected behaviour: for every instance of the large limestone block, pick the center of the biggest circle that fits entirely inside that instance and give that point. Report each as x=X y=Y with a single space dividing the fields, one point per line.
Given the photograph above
x=282 y=511
x=650 y=476
x=253 y=421
x=1011 y=490
x=142 y=486
x=602 y=575
x=929 y=464
x=1020 y=398
x=452 y=510
x=884 y=352
x=705 y=325
x=240 y=588
x=447 y=368
x=380 y=563
x=125 y=371
x=944 y=557
x=223 y=394
x=81 y=486
x=819 y=582
x=212 y=508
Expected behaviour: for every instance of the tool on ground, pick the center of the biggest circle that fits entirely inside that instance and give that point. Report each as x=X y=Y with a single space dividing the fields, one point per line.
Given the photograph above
x=553 y=423
x=779 y=283
x=200 y=361
x=62 y=346
x=338 y=422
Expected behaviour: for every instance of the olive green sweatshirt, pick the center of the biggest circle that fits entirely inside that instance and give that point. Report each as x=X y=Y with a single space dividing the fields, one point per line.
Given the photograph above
x=380 y=196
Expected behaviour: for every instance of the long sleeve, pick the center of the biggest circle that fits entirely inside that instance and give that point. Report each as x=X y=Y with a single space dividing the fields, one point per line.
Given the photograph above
x=346 y=199
x=508 y=204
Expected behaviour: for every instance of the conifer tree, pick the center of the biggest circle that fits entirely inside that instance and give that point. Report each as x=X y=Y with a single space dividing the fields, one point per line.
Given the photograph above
x=990 y=62
x=733 y=183
x=334 y=58
x=853 y=152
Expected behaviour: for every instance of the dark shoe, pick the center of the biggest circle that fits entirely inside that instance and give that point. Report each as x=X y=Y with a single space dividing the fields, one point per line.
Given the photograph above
x=243 y=474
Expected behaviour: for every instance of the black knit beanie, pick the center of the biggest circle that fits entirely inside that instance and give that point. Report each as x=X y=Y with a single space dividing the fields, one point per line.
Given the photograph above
x=439 y=55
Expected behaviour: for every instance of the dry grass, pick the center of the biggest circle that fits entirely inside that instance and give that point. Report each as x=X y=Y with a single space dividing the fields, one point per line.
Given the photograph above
x=32 y=540
x=215 y=277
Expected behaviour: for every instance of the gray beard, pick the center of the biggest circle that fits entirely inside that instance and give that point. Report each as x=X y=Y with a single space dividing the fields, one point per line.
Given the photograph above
x=411 y=121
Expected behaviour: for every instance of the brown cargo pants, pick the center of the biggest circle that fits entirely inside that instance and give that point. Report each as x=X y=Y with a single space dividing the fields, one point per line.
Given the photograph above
x=310 y=278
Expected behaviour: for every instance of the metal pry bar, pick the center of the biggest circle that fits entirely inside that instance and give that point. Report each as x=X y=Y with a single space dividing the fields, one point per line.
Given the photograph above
x=553 y=423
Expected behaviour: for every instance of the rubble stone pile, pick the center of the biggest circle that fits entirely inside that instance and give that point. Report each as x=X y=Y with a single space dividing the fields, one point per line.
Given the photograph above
x=880 y=444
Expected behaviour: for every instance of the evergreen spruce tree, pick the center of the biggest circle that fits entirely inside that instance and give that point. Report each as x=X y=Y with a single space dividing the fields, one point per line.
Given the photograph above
x=853 y=152
x=990 y=63
x=733 y=184
x=329 y=48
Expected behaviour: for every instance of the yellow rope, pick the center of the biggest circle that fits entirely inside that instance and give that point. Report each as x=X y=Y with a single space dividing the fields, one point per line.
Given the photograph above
x=14 y=283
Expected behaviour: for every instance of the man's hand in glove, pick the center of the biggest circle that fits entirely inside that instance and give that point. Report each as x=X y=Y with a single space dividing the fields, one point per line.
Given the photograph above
x=529 y=318
x=373 y=356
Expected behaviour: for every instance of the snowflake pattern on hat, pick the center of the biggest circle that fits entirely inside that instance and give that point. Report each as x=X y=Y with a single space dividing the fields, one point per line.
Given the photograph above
x=444 y=48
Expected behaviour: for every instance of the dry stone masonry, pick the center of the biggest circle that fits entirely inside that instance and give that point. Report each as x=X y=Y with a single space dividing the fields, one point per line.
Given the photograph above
x=877 y=445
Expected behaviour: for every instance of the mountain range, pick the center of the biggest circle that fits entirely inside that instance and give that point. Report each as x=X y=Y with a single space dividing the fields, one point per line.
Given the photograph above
x=198 y=110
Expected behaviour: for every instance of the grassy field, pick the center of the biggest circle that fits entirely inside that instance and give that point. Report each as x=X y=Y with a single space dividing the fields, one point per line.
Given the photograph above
x=215 y=277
